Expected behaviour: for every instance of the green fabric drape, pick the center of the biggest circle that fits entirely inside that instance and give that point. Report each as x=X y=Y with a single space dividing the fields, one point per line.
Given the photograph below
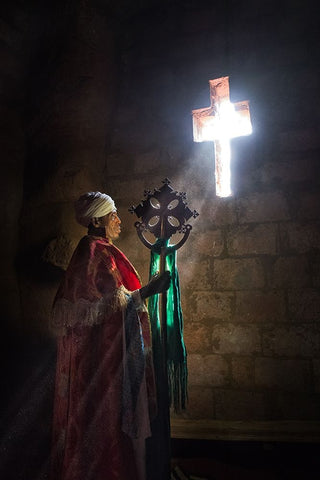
x=176 y=351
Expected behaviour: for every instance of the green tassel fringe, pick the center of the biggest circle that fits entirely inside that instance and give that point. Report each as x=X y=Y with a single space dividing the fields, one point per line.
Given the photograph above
x=176 y=351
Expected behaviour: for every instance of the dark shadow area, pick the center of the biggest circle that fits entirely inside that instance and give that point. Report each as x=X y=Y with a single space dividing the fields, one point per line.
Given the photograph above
x=27 y=379
x=217 y=460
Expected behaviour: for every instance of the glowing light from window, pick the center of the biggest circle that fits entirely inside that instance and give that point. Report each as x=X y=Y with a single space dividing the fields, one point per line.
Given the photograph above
x=219 y=123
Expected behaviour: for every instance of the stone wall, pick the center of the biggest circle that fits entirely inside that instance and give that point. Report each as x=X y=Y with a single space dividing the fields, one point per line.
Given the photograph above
x=57 y=132
x=100 y=98
x=250 y=270
x=15 y=36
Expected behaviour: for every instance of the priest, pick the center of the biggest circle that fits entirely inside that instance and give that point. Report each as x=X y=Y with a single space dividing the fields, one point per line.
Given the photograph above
x=105 y=394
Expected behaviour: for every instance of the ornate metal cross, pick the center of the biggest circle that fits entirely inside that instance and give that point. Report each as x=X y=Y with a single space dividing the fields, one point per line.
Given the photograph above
x=164 y=212
x=219 y=123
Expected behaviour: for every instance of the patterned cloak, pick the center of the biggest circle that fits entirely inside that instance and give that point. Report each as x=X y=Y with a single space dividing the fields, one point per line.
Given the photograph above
x=105 y=391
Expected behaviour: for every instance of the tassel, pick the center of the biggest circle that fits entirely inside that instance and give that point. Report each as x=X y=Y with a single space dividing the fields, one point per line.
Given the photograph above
x=176 y=351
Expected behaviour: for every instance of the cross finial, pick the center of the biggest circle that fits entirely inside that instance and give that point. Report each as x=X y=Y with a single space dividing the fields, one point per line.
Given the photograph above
x=163 y=213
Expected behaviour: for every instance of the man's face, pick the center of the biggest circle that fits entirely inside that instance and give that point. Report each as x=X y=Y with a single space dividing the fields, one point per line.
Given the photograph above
x=112 y=224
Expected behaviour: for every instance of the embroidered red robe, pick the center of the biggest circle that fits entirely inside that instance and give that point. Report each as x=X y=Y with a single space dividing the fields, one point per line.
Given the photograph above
x=98 y=368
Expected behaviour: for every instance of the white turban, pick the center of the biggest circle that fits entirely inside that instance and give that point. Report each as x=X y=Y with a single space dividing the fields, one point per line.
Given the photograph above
x=91 y=205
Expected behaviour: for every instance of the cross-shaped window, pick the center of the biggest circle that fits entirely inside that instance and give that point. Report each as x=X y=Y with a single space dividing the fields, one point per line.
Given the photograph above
x=219 y=123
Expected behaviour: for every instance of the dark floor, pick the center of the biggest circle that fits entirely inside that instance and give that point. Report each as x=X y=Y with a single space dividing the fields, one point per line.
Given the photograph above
x=215 y=460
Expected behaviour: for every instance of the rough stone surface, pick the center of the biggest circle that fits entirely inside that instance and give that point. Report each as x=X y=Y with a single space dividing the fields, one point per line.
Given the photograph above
x=316 y=374
x=308 y=208
x=265 y=306
x=200 y=403
x=236 y=339
x=307 y=139
x=302 y=404
x=208 y=370
x=291 y=272
x=209 y=243
x=59 y=251
x=238 y=274
x=197 y=336
x=315 y=270
x=292 y=341
x=212 y=305
x=222 y=211
x=304 y=305
x=197 y=274
x=299 y=238
x=263 y=207
x=252 y=240
x=239 y=405
x=283 y=374
x=242 y=371
x=288 y=170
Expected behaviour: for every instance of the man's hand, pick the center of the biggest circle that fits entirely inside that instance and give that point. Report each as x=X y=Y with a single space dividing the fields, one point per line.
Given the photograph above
x=157 y=284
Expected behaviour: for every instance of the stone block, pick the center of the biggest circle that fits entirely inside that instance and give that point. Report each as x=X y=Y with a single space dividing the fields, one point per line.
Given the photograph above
x=222 y=211
x=292 y=340
x=58 y=252
x=200 y=403
x=236 y=339
x=196 y=274
x=197 y=337
x=66 y=184
x=304 y=305
x=299 y=237
x=207 y=370
x=300 y=406
x=146 y=162
x=309 y=206
x=212 y=305
x=117 y=163
x=263 y=207
x=239 y=405
x=238 y=274
x=201 y=189
x=62 y=223
x=130 y=189
x=316 y=269
x=299 y=140
x=253 y=306
x=289 y=170
x=252 y=239
x=133 y=137
x=316 y=374
x=210 y=243
x=291 y=375
x=291 y=272
x=242 y=371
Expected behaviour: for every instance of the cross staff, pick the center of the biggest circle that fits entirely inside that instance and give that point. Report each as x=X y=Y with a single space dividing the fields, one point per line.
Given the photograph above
x=219 y=123
x=164 y=212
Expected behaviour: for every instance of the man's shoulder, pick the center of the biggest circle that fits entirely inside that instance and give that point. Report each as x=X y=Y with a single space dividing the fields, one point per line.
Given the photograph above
x=88 y=240
x=94 y=245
